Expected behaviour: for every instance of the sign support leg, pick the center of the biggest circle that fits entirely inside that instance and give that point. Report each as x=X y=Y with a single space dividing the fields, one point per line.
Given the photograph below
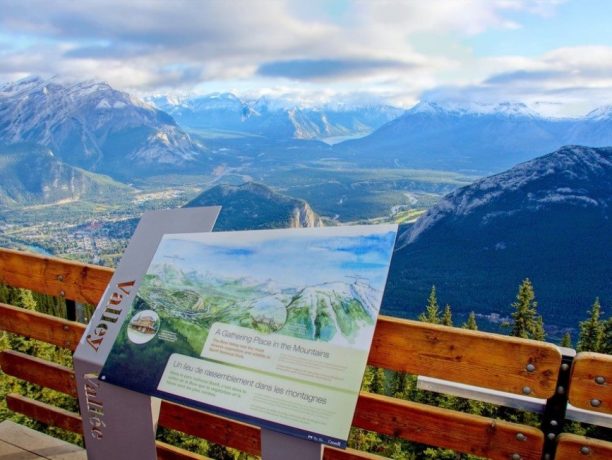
x=278 y=446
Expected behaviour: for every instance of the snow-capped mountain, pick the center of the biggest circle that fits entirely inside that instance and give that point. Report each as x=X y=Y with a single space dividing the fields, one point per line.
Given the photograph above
x=469 y=109
x=273 y=117
x=474 y=137
x=549 y=219
x=91 y=125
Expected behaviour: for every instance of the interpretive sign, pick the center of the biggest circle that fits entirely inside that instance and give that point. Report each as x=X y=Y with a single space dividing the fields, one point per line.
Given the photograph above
x=271 y=327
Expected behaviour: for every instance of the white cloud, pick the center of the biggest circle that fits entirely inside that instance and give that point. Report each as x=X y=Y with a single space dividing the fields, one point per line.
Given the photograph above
x=318 y=47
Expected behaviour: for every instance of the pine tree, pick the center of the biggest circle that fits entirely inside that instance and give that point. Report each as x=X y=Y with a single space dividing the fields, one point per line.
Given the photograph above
x=432 y=310
x=606 y=346
x=447 y=316
x=377 y=385
x=566 y=341
x=471 y=322
x=591 y=330
x=526 y=323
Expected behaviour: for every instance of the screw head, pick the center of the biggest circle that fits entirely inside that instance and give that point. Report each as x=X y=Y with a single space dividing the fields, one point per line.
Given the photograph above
x=595 y=402
x=530 y=367
x=600 y=380
x=526 y=390
x=516 y=457
x=560 y=390
x=564 y=366
x=584 y=450
x=60 y=277
x=551 y=436
x=521 y=437
x=554 y=423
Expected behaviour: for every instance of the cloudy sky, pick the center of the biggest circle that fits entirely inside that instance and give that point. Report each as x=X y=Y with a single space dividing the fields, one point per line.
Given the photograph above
x=553 y=54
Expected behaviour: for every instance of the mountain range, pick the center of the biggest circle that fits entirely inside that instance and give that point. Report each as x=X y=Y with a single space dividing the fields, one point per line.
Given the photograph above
x=476 y=138
x=546 y=219
x=92 y=126
x=275 y=118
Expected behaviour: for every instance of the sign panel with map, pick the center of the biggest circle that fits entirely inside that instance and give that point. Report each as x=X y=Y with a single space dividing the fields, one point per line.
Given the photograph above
x=271 y=327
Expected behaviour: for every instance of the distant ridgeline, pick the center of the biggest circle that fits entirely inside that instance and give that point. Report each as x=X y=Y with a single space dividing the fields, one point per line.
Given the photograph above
x=549 y=219
x=475 y=137
x=92 y=126
x=32 y=174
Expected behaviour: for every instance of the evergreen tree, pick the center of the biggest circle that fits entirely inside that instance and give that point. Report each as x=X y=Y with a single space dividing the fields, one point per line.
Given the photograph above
x=377 y=384
x=606 y=346
x=591 y=330
x=566 y=341
x=432 y=310
x=526 y=323
x=471 y=322
x=447 y=316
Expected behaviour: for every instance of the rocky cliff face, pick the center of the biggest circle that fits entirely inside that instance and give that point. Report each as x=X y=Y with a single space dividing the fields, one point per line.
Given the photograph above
x=304 y=216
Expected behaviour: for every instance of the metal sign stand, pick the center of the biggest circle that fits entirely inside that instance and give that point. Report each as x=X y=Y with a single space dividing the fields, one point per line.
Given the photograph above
x=119 y=423
x=278 y=446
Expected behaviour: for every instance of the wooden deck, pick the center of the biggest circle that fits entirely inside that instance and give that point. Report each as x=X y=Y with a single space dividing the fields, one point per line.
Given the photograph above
x=18 y=442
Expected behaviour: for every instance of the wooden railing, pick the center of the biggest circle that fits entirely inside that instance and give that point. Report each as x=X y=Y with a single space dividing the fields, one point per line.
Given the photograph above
x=508 y=364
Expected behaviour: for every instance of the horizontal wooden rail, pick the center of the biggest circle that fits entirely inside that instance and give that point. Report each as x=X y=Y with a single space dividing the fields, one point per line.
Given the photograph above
x=591 y=382
x=170 y=452
x=69 y=421
x=45 y=413
x=574 y=447
x=47 y=328
x=211 y=427
x=38 y=371
x=461 y=432
x=411 y=421
x=331 y=453
x=487 y=360
x=49 y=275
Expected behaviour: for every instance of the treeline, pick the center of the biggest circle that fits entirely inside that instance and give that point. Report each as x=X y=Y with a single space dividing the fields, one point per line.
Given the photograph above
x=595 y=334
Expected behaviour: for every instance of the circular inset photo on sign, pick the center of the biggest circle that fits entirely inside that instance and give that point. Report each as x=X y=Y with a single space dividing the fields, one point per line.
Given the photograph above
x=143 y=326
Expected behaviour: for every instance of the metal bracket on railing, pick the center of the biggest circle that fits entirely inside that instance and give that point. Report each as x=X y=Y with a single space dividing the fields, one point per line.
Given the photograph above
x=556 y=405
x=71 y=310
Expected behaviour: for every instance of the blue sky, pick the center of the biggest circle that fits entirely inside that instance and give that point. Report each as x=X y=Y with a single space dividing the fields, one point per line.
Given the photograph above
x=555 y=55
x=295 y=258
